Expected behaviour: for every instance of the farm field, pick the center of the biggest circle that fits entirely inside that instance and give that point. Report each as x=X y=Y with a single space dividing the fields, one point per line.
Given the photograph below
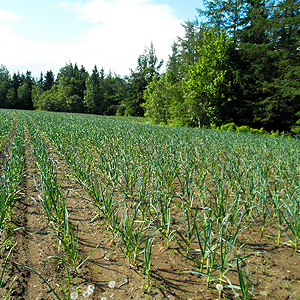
x=113 y=209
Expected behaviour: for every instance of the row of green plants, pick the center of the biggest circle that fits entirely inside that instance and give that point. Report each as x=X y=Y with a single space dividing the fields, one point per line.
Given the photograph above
x=197 y=187
x=7 y=118
x=7 y=126
x=52 y=201
x=11 y=176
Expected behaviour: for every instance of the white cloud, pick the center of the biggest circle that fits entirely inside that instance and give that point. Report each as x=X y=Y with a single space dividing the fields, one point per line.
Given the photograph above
x=120 y=29
x=8 y=18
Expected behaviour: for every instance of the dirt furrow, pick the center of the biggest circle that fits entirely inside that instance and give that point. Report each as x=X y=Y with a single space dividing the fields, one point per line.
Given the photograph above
x=34 y=245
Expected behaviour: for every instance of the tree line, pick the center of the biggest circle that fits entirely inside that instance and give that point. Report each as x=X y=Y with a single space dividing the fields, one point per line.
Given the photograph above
x=237 y=63
x=75 y=90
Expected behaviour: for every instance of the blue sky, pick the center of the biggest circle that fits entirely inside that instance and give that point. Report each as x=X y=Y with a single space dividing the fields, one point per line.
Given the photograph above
x=42 y=35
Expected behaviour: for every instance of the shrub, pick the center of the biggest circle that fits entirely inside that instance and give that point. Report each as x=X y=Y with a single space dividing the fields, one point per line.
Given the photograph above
x=229 y=126
x=258 y=131
x=244 y=128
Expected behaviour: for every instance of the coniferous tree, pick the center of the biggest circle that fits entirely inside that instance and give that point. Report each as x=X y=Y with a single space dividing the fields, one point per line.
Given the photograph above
x=24 y=96
x=4 y=85
x=148 y=66
x=114 y=92
x=93 y=95
x=189 y=44
x=49 y=80
x=70 y=88
x=40 y=81
x=12 y=94
x=225 y=15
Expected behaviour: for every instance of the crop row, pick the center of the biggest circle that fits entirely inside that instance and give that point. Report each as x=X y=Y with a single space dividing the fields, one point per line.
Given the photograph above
x=200 y=188
x=196 y=188
x=11 y=175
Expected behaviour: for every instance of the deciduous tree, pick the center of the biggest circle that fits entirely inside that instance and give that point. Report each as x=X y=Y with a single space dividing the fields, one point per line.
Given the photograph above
x=206 y=85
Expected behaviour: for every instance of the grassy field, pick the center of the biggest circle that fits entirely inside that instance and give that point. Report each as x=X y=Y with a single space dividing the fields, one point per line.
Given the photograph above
x=110 y=208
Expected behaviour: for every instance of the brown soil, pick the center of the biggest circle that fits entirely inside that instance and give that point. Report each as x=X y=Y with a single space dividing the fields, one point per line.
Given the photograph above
x=274 y=270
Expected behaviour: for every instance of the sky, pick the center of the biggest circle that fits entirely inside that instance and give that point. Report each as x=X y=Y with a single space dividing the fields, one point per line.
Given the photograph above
x=43 y=35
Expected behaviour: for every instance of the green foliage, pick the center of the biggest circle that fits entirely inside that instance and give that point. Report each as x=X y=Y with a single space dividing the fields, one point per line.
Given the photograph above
x=49 y=81
x=206 y=85
x=103 y=94
x=258 y=131
x=228 y=126
x=37 y=91
x=66 y=95
x=15 y=91
x=244 y=128
x=296 y=128
x=91 y=95
x=4 y=85
x=148 y=67
x=228 y=16
x=24 y=95
x=264 y=59
x=164 y=100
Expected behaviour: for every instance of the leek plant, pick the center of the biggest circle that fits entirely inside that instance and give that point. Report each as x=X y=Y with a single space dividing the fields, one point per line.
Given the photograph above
x=187 y=187
x=217 y=249
x=70 y=246
x=12 y=169
x=276 y=215
x=139 y=176
x=4 y=268
x=166 y=168
x=244 y=281
x=226 y=243
x=129 y=176
x=188 y=235
x=290 y=213
x=204 y=236
x=131 y=232
x=160 y=206
x=147 y=258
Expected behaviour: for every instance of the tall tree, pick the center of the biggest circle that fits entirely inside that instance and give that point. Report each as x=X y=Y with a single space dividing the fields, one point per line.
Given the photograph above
x=67 y=97
x=206 y=84
x=225 y=15
x=4 y=85
x=114 y=92
x=189 y=43
x=24 y=96
x=148 y=67
x=264 y=58
x=93 y=95
x=70 y=87
x=164 y=100
x=12 y=94
x=285 y=26
x=49 y=81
